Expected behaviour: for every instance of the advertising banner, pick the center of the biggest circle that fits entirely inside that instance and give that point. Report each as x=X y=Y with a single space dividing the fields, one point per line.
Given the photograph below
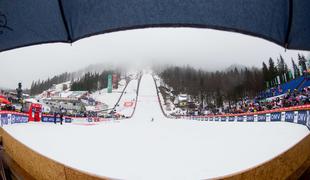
x=109 y=83
x=68 y=120
x=302 y=117
x=231 y=118
x=49 y=119
x=308 y=119
x=250 y=118
x=128 y=103
x=275 y=116
x=217 y=118
x=17 y=118
x=13 y=118
x=223 y=119
x=289 y=116
x=240 y=119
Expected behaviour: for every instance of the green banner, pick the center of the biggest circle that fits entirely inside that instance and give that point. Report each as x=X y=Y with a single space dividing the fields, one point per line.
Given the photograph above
x=109 y=83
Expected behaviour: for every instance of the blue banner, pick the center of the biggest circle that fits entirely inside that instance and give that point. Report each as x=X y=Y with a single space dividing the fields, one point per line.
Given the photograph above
x=240 y=118
x=217 y=118
x=289 y=116
x=308 y=120
x=261 y=118
x=231 y=118
x=16 y=118
x=50 y=119
x=13 y=118
x=211 y=119
x=275 y=116
x=250 y=118
x=223 y=119
x=68 y=120
x=302 y=117
x=4 y=119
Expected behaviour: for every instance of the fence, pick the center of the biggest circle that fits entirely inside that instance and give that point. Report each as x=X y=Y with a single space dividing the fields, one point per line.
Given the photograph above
x=296 y=114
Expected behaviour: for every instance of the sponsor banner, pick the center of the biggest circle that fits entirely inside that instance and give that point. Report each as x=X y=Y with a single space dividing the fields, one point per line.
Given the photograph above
x=275 y=116
x=128 y=104
x=13 y=118
x=4 y=119
x=289 y=116
x=267 y=117
x=308 y=120
x=223 y=119
x=282 y=116
x=49 y=119
x=231 y=118
x=211 y=119
x=16 y=118
x=217 y=118
x=302 y=117
x=109 y=83
x=250 y=118
x=68 y=120
x=240 y=119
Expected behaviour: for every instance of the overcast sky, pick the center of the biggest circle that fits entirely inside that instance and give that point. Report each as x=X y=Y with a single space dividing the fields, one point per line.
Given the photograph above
x=201 y=48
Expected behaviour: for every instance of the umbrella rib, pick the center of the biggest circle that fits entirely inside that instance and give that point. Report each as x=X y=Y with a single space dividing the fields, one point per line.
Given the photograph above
x=289 y=23
x=64 y=21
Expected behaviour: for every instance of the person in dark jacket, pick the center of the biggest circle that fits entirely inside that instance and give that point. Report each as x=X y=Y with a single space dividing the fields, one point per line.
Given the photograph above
x=55 y=117
x=61 y=117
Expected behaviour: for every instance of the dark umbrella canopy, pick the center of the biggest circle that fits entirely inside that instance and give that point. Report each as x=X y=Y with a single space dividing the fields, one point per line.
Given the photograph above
x=28 y=22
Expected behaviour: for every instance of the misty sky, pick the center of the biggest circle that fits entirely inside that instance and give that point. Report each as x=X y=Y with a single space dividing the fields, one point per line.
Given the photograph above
x=201 y=48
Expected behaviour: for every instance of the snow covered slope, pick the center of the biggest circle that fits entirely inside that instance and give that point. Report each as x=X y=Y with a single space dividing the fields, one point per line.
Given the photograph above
x=128 y=100
x=148 y=105
x=163 y=149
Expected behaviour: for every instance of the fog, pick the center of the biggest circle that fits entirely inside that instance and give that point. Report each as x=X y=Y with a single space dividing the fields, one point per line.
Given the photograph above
x=136 y=49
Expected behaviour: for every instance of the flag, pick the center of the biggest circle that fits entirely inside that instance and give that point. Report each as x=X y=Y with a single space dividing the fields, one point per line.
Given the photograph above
x=290 y=75
x=279 y=80
x=285 y=79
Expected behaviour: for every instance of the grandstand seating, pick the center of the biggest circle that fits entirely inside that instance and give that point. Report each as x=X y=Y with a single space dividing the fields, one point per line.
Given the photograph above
x=298 y=83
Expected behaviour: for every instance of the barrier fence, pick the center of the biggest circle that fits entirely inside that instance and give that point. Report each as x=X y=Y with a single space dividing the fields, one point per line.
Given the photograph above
x=10 y=117
x=297 y=114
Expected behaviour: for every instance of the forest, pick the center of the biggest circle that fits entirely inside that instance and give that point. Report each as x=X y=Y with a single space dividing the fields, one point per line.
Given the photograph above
x=231 y=84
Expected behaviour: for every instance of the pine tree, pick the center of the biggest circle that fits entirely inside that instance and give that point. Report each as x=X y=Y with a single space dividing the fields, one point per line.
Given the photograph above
x=302 y=62
x=295 y=69
x=265 y=73
x=273 y=72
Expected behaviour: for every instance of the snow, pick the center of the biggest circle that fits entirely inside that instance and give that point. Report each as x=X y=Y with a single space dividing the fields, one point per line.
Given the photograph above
x=129 y=95
x=109 y=98
x=163 y=149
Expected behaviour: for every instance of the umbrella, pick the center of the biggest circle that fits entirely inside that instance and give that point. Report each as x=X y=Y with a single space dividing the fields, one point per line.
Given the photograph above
x=29 y=22
x=4 y=101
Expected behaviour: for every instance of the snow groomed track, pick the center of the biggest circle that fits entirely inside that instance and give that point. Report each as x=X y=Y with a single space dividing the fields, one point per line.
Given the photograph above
x=140 y=148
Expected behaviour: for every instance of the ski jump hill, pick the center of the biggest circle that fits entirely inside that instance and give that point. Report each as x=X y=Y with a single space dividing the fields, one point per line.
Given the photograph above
x=151 y=146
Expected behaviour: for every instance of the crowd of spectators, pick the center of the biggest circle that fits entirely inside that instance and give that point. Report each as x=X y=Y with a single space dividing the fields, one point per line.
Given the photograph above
x=291 y=98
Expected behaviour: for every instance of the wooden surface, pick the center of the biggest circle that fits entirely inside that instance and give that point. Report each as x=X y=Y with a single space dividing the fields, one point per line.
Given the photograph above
x=39 y=166
x=288 y=165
